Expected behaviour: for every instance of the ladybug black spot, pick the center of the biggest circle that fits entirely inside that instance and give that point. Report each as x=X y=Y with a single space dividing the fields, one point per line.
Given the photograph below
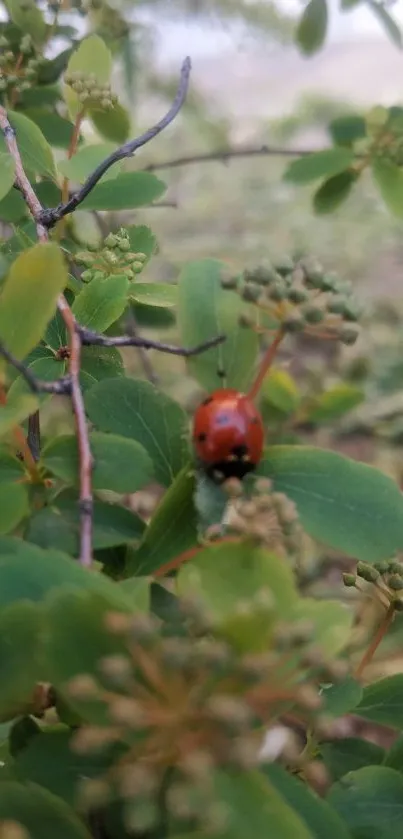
x=254 y=421
x=202 y=437
x=239 y=451
x=207 y=401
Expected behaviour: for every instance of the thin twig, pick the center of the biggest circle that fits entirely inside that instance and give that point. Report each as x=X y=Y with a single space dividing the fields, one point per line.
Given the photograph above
x=90 y=338
x=225 y=155
x=36 y=210
x=49 y=217
x=378 y=637
x=60 y=386
x=266 y=363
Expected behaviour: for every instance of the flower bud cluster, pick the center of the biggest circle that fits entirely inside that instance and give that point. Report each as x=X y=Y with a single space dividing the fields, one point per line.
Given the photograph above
x=115 y=257
x=386 y=575
x=90 y=93
x=19 y=65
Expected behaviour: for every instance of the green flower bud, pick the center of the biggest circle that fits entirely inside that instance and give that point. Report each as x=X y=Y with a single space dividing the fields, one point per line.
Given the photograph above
x=351 y=312
x=85 y=258
x=395 y=567
x=123 y=244
x=336 y=306
x=294 y=323
x=251 y=293
x=329 y=282
x=367 y=572
x=87 y=275
x=229 y=282
x=297 y=295
x=349 y=580
x=284 y=266
x=137 y=267
x=84 y=97
x=348 y=336
x=106 y=104
x=246 y=321
x=30 y=73
x=383 y=567
x=277 y=292
x=112 y=241
x=313 y=314
x=395 y=582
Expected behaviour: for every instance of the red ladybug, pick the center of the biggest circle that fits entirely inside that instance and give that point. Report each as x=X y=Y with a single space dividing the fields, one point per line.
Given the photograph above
x=228 y=434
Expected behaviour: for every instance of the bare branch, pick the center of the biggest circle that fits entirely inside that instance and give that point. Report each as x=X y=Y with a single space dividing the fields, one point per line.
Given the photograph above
x=49 y=217
x=225 y=155
x=61 y=387
x=89 y=338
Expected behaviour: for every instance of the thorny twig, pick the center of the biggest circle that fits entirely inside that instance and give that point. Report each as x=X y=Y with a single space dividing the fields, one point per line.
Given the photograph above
x=90 y=338
x=49 y=217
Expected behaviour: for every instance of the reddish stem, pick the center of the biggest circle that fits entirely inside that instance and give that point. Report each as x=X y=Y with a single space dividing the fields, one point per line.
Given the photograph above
x=266 y=363
x=378 y=637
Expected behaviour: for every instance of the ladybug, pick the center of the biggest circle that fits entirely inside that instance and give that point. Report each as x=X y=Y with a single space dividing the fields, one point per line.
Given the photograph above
x=228 y=434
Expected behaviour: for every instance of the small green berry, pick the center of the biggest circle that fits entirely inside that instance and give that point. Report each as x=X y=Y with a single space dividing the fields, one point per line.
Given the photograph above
x=251 y=293
x=348 y=336
x=277 y=292
x=395 y=582
x=284 y=266
x=137 y=267
x=313 y=314
x=294 y=323
x=349 y=580
x=297 y=295
x=112 y=241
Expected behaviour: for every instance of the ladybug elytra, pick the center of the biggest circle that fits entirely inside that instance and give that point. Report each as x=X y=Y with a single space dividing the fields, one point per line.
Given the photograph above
x=228 y=434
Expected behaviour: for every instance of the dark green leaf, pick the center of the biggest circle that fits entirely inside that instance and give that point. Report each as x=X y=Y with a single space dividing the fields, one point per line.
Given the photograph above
x=334 y=403
x=11 y=468
x=333 y=192
x=46 y=369
x=321 y=820
x=312 y=27
x=370 y=800
x=101 y=302
x=172 y=529
x=56 y=130
x=50 y=71
x=13 y=505
x=348 y=754
x=99 y=363
x=341 y=698
x=136 y=409
x=389 y=24
x=7 y=167
x=120 y=465
x=348 y=505
x=58 y=526
x=394 y=757
x=382 y=702
x=42 y=814
x=389 y=180
x=320 y=164
x=12 y=206
x=29 y=296
x=16 y=409
x=346 y=129
x=126 y=192
x=207 y=310
x=113 y=124
x=21 y=657
x=80 y=166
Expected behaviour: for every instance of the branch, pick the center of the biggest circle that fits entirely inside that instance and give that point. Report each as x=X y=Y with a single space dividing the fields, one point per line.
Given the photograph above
x=90 y=338
x=225 y=155
x=49 y=217
x=61 y=386
x=85 y=457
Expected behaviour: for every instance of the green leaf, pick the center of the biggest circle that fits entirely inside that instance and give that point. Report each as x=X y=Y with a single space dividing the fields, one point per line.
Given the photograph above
x=389 y=180
x=382 y=702
x=280 y=390
x=46 y=369
x=13 y=505
x=320 y=164
x=342 y=697
x=101 y=302
x=334 y=403
x=138 y=589
x=120 y=465
x=36 y=154
x=331 y=621
x=49 y=760
x=345 y=130
x=7 y=170
x=56 y=130
x=26 y=15
x=17 y=409
x=126 y=192
x=394 y=757
x=11 y=468
x=12 y=206
x=43 y=815
x=348 y=754
x=80 y=166
x=29 y=296
x=333 y=192
x=142 y=239
x=92 y=56
x=113 y=124
x=172 y=529
x=207 y=310
x=21 y=657
x=99 y=363
x=58 y=526
x=320 y=819
x=312 y=27
x=136 y=409
x=255 y=808
x=369 y=800
x=389 y=24
x=162 y=295
x=350 y=506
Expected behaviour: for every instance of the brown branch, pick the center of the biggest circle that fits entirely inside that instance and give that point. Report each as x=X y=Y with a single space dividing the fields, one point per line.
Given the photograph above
x=225 y=155
x=266 y=363
x=36 y=210
x=378 y=637
x=59 y=386
x=90 y=338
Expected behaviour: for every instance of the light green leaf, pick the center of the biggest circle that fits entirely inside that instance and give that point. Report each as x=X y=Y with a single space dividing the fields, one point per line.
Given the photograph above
x=36 y=154
x=13 y=505
x=11 y=468
x=331 y=620
x=162 y=295
x=21 y=657
x=86 y=160
x=280 y=390
x=206 y=310
x=29 y=296
x=136 y=409
x=7 y=173
x=370 y=801
x=26 y=15
x=320 y=164
x=312 y=27
x=16 y=410
x=120 y=465
x=142 y=239
x=43 y=815
x=343 y=697
x=172 y=529
x=126 y=192
x=113 y=124
x=101 y=302
x=382 y=702
x=334 y=403
x=91 y=57
x=389 y=180
x=348 y=505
